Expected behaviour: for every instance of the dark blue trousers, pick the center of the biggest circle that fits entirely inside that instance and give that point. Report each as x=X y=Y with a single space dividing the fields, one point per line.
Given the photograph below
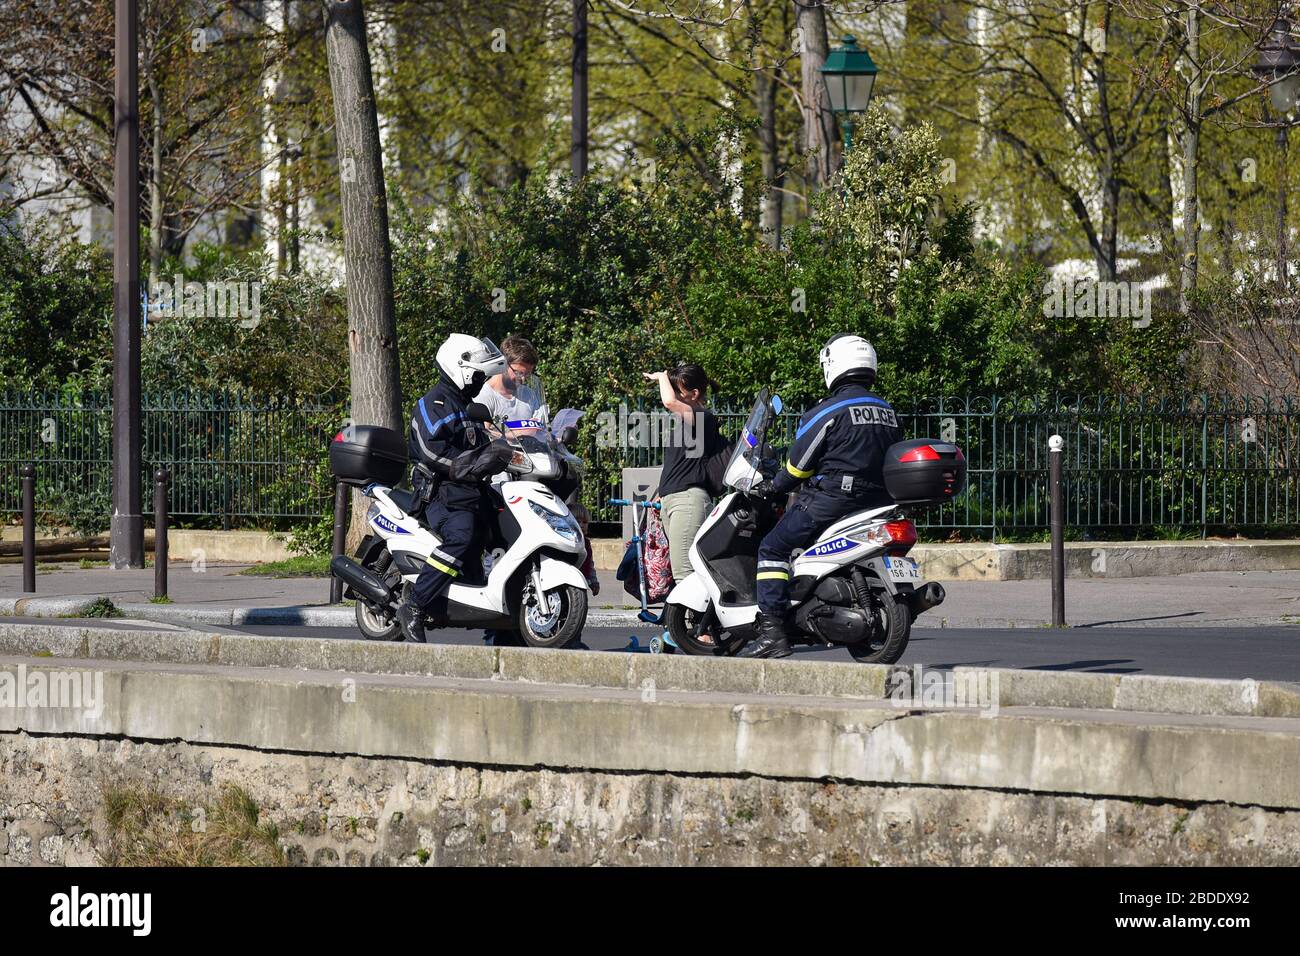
x=813 y=512
x=458 y=530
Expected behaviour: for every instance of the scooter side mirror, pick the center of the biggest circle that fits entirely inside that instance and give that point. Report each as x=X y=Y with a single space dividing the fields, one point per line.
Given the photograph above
x=777 y=404
x=568 y=435
x=477 y=412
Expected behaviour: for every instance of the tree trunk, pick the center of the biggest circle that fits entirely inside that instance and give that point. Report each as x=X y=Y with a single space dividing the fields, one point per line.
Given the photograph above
x=1108 y=258
x=765 y=89
x=1168 y=241
x=372 y=329
x=821 y=134
x=1191 y=143
x=578 y=150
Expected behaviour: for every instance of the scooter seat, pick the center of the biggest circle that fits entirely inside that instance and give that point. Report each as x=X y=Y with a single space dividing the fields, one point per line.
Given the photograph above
x=405 y=500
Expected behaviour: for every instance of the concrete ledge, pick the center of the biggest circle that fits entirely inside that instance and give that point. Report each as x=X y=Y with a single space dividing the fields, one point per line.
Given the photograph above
x=975 y=561
x=514 y=724
x=1100 y=559
x=251 y=547
x=244 y=547
x=980 y=561
x=1125 y=693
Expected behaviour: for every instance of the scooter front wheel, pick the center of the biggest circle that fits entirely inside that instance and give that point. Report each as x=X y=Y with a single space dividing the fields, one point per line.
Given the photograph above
x=554 y=619
x=682 y=622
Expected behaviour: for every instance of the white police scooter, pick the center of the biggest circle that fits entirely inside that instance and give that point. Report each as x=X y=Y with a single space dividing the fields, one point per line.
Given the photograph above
x=854 y=586
x=535 y=585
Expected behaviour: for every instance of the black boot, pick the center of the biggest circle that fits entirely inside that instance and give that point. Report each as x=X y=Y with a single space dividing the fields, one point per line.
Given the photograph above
x=411 y=620
x=771 y=638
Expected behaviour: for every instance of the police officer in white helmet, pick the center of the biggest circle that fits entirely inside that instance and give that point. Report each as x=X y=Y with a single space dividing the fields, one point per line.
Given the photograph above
x=838 y=457
x=462 y=457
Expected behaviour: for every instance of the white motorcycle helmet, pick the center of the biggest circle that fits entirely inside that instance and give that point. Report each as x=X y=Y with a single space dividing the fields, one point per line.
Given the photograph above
x=469 y=361
x=850 y=355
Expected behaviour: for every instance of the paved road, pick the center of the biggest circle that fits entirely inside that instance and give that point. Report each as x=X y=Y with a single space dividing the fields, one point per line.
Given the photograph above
x=1264 y=653
x=1203 y=599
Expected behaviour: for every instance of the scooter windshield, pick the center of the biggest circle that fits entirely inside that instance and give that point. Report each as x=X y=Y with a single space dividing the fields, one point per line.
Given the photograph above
x=741 y=473
x=530 y=415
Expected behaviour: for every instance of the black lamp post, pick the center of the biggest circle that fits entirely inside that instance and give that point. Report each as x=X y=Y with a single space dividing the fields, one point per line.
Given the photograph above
x=850 y=75
x=1279 y=67
x=126 y=527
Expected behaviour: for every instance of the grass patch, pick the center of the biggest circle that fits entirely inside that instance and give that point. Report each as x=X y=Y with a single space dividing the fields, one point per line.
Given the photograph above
x=87 y=563
x=161 y=600
x=146 y=828
x=103 y=607
x=303 y=566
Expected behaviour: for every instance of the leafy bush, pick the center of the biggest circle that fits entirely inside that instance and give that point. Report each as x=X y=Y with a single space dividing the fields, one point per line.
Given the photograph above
x=56 y=307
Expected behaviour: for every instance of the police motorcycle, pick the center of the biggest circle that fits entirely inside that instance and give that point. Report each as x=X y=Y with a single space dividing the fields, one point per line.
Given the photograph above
x=532 y=582
x=854 y=586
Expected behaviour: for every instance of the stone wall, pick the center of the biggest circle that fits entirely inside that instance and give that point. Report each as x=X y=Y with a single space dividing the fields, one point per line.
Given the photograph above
x=334 y=810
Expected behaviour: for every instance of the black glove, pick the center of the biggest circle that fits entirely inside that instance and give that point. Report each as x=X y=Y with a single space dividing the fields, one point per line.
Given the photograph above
x=483 y=462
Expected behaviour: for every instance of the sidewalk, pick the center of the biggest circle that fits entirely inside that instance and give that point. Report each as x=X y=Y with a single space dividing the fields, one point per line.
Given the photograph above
x=220 y=595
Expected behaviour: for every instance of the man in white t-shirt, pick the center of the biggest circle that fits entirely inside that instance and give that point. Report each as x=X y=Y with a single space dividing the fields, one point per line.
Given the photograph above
x=506 y=395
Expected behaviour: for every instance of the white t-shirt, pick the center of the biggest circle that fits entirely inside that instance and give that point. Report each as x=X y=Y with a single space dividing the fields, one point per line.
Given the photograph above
x=524 y=404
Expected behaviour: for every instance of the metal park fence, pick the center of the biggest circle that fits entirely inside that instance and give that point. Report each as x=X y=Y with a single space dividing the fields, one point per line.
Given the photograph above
x=1194 y=465
x=1191 y=466
x=235 y=459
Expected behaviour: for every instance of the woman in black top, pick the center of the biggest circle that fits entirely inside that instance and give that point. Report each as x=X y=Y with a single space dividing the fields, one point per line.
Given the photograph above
x=683 y=482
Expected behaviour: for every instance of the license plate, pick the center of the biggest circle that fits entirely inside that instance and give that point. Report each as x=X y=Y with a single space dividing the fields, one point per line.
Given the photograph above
x=902 y=569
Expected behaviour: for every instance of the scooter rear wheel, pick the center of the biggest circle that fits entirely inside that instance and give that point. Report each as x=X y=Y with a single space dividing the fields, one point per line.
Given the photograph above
x=380 y=624
x=377 y=625
x=890 y=637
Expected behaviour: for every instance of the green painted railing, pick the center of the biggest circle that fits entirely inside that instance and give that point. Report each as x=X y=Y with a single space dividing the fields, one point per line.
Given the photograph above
x=233 y=457
x=1199 y=464
x=1196 y=465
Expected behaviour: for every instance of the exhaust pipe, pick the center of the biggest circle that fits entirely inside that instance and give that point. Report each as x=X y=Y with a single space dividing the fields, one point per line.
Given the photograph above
x=365 y=583
x=924 y=598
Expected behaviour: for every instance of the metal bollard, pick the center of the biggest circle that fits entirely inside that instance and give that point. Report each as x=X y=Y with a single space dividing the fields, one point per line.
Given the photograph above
x=29 y=529
x=1055 y=446
x=160 y=533
x=340 y=536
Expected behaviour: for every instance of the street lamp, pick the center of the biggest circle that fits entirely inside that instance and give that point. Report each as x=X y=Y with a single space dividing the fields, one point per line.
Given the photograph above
x=850 y=75
x=1279 y=67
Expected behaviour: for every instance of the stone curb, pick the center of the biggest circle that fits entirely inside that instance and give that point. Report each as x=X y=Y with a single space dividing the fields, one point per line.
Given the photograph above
x=302 y=615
